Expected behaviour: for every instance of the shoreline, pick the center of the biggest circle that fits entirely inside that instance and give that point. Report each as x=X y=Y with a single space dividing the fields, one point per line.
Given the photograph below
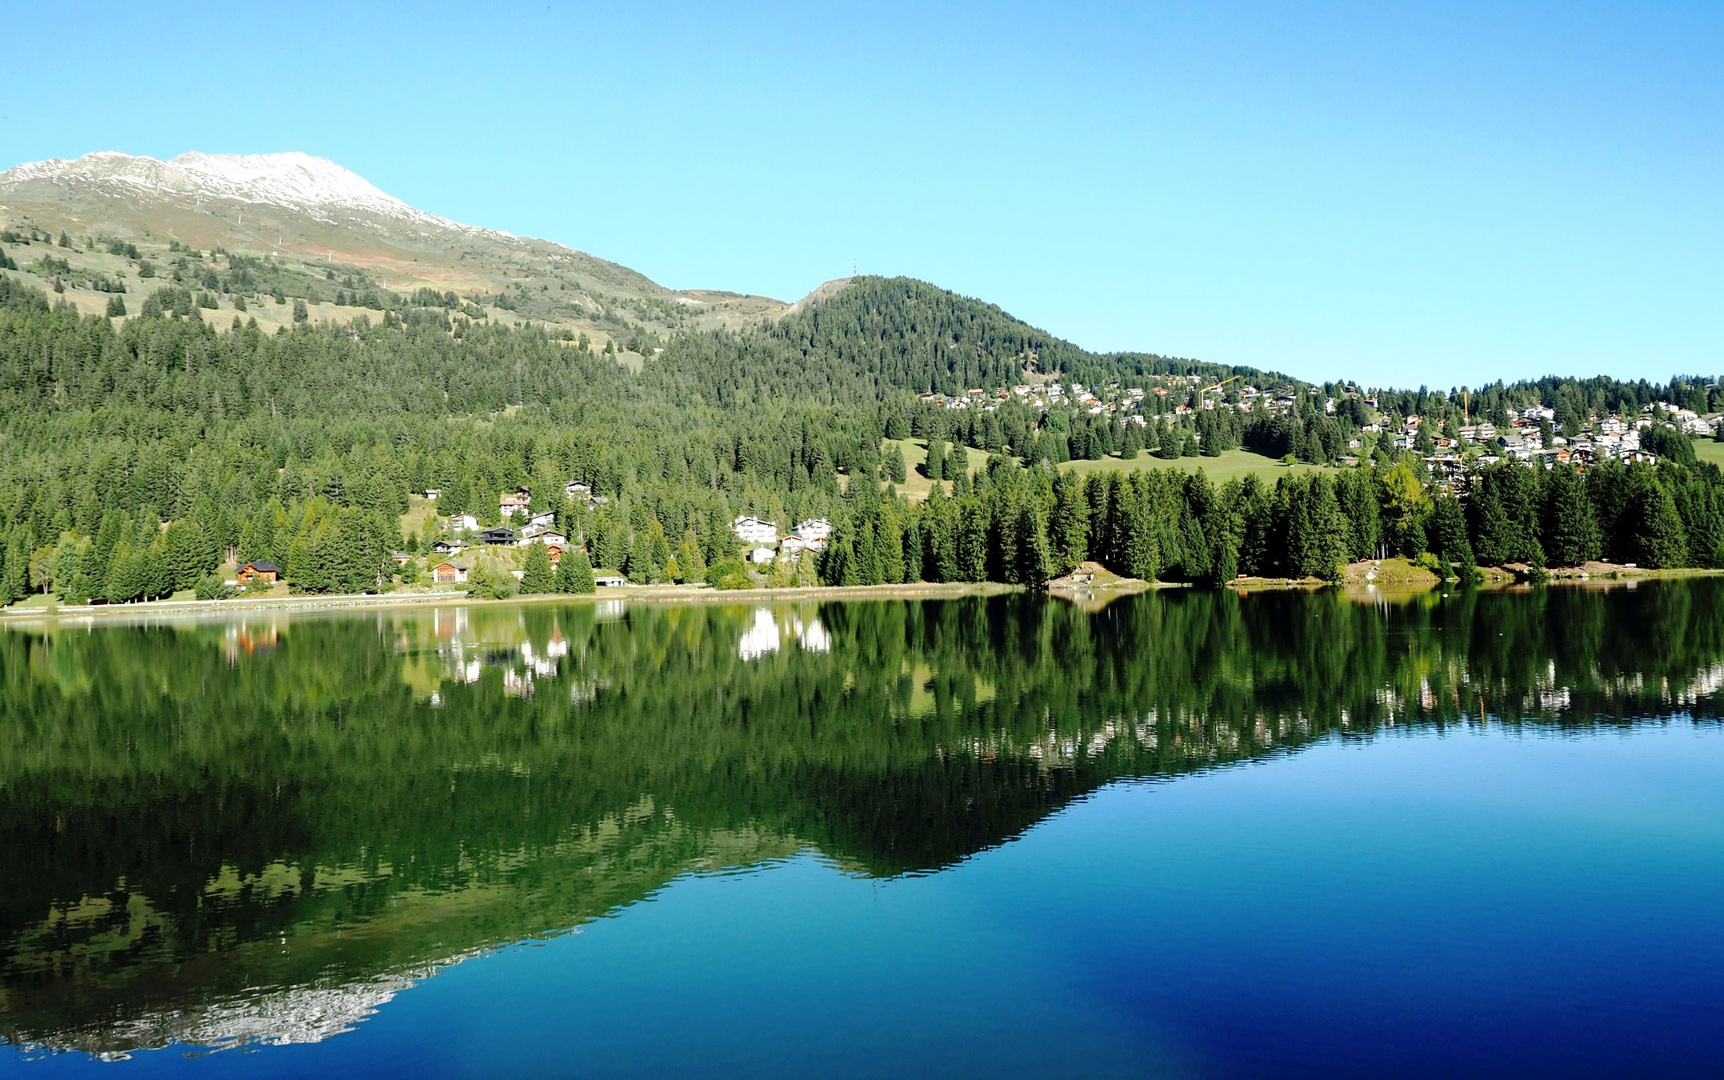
x=383 y=601
x=705 y=594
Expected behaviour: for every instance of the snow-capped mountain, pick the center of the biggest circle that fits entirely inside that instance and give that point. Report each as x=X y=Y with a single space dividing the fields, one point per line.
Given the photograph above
x=292 y=181
x=332 y=225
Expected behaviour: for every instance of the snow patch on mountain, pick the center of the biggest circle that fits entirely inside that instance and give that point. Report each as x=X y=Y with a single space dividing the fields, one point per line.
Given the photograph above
x=295 y=181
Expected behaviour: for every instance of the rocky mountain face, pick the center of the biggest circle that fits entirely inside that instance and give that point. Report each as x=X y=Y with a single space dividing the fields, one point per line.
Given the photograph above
x=330 y=235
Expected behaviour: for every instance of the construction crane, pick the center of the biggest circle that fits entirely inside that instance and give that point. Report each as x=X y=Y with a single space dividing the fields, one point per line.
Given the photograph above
x=1220 y=384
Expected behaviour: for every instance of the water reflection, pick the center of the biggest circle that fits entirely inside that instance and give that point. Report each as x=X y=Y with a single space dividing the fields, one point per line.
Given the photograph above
x=258 y=830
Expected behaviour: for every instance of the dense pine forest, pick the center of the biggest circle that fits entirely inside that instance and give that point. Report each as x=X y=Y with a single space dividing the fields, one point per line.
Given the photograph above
x=139 y=454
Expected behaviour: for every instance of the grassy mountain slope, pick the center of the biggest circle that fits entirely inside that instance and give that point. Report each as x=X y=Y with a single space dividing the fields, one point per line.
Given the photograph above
x=311 y=251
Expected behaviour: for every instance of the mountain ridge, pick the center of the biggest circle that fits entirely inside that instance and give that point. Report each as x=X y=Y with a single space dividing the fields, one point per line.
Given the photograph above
x=288 y=179
x=319 y=220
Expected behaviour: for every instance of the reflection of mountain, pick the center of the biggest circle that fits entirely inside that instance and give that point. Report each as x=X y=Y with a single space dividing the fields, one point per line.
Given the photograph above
x=259 y=831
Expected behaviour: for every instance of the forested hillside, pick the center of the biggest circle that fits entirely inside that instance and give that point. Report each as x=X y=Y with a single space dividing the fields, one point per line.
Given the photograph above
x=137 y=454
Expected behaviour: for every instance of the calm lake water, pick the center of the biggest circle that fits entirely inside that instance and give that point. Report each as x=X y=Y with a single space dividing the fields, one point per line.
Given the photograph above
x=1184 y=834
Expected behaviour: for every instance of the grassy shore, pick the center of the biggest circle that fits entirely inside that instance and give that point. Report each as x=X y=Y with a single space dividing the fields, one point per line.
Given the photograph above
x=651 y=593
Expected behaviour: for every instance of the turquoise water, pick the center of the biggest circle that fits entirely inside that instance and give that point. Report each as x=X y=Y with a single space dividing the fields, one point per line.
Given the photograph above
x=1013 y=873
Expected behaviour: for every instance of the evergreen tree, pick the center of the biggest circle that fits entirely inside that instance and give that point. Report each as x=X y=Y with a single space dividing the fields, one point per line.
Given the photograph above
x=1661 y=541
x=1032 y=556
x=116 y=305
x=575 y=573
x=536 y=575
x=1492 y=532
x=972 y=541
x=1068 y=525
x=935 y=467
x=690 y=558
x=913 y=548
x=896 y=470
x=1449 y=531
x=10 y=592
x=1131 y=441
x=1570 y=531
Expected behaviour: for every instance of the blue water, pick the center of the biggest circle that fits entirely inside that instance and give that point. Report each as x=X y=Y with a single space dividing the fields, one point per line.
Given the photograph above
x=1478 y=902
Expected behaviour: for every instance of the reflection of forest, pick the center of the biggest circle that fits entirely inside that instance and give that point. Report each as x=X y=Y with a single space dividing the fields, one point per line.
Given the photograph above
x=325 y=806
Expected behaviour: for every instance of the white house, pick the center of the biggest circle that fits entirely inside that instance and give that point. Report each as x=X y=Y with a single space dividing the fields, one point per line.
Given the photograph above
x=574 y=490
x=448 y=573
x=752 y=530
x=556 y=539
x=464 y=523
x=545 y=519
x=761 y=555
x=813 y=529
x=610 y=581
x=509 y=505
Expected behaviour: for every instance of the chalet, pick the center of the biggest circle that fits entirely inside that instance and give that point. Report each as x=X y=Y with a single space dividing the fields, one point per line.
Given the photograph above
x=447 y=547
x=401 y=558
x=499 y=535
x=448 y=573
x=463 y=523
x=761 y=555
x=544 y=520
x=509 y=505
x=752 y=530
x=544 y=536
x=575 y=491
x=610 y=581
x=433 y=494
x=814 y=529
x=266 y=572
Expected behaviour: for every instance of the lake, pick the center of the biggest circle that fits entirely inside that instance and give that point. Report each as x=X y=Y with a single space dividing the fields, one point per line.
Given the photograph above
x=1184 y=834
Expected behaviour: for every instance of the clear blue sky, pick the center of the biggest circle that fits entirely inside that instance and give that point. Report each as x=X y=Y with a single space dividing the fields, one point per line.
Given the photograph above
x=1406 y=193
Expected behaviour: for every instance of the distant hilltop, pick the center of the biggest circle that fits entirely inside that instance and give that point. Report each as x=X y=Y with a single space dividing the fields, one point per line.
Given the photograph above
x=328 y=236
x=291 y=181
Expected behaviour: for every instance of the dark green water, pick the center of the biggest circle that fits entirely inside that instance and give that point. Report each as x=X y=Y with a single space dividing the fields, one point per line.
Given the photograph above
x=1473 y=833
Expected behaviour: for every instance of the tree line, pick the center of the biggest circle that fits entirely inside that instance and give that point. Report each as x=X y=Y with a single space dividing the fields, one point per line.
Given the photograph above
x=301 y=447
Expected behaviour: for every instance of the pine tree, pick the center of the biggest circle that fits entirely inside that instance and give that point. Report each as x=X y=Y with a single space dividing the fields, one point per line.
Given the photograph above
x=9 y=560
x=972 y=541
x=690 y=558
x=914 y=547
x=1141 y=539
x=1068 y=525
x=1570 y=531
x=1490 y=526
x=536 y=575
x=896 y=471
x=1449 y=529
x=575 y=574
x=653 y=552
x=1661 y=540
x=1032 y=557
x=936 y=464
x=299 y=312
x=116 y=305
x=1131 y=443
